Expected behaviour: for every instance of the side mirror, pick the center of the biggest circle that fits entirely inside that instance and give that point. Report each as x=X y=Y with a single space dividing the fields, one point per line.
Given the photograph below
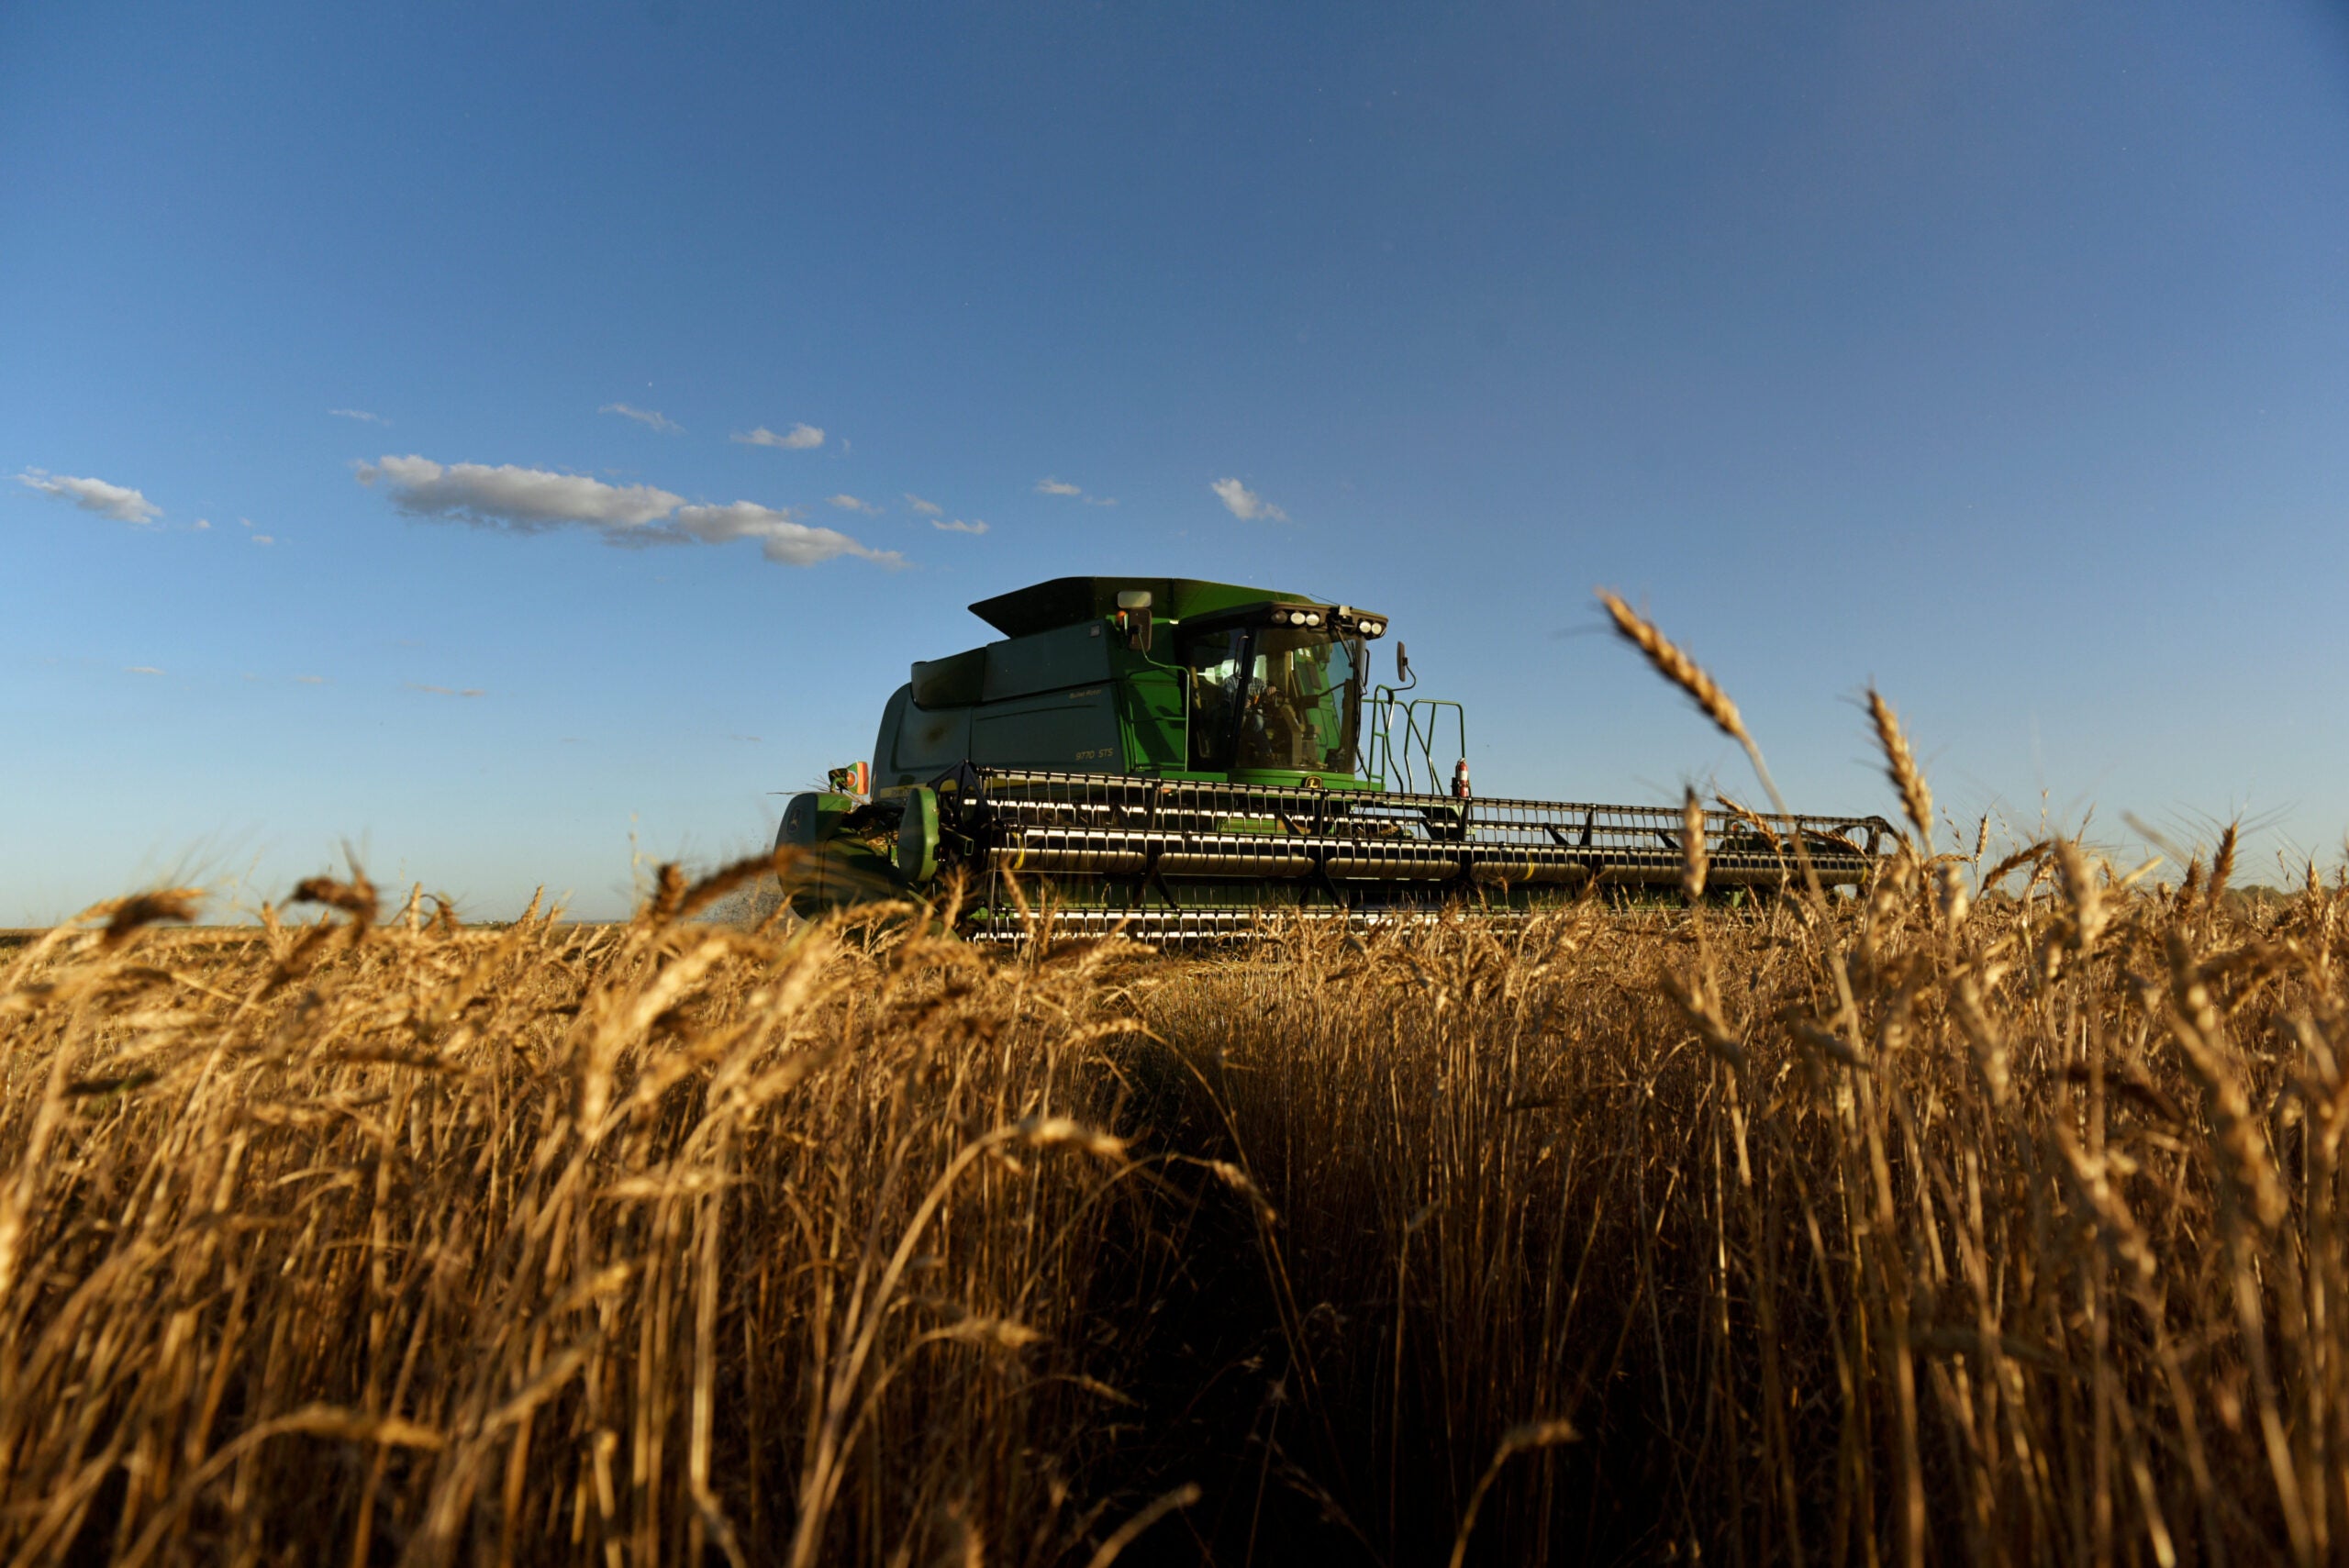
x=1402 y=665
x=1133 y=619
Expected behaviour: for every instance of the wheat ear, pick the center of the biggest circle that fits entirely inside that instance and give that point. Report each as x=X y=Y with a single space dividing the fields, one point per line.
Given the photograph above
x=2222 y=864
x=1677 y=667
x=1694 y=860
x=1900 y=767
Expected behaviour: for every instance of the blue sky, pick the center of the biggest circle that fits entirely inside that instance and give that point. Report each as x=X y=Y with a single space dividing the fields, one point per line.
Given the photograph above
x=1993 y=353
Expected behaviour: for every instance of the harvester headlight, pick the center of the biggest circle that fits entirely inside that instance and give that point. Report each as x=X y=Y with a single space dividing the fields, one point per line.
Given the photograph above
x=1312 y=617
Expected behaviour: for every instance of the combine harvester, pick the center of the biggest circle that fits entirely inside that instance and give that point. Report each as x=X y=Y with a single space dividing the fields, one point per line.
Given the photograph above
x=1171 y=758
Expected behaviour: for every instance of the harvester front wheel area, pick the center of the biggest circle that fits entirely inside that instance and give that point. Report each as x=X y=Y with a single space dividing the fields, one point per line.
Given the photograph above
x=917 y=838
x=844 y=851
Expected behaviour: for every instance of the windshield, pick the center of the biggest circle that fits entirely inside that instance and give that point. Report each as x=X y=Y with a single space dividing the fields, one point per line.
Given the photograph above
x=1298 y=708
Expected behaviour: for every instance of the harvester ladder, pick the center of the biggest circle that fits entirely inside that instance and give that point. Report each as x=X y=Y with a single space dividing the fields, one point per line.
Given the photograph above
x=1393 y=757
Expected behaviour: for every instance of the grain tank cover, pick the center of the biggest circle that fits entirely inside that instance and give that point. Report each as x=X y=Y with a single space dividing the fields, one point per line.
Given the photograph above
x=1067 y=601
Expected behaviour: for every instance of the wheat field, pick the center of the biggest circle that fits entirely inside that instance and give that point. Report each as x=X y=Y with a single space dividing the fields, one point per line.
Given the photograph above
x=1994 y=1216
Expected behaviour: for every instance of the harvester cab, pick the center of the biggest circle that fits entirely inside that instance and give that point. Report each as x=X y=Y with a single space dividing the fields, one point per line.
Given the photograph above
x=1158 y=677
x=1168 y=757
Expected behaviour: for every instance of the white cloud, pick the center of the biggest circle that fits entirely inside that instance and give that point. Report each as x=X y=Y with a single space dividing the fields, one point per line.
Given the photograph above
x=798 y=439
x=651 y=417
x=201 y=524
x=1244 y=503
x=782 y=539
x=1050 y=486
x=264 y=539
x=507 y=496
x=927 y=508
x=359 y=413
x=310 y=680
x=958 y=527
x=444 y=691
x=123 y=505
x=531 y=500
x=140 y=670
x=848 y=503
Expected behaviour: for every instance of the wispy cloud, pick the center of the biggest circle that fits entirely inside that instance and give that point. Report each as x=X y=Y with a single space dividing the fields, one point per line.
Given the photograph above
x=1244 y=503
x=798 y=439
x=1051 y=486
x=119 y=502
x=264 y=538
x=140 y=670
x=781 y=536
x=359 y=413
x=444 y=691
x=506 y=497
x=848 y=503
x=309 y=679
x=927 y=508
x=957 y=527
x=650 y=416
x=532 y=500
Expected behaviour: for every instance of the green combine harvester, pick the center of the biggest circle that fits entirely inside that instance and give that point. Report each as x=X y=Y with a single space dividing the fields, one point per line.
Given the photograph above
x=1172 y=759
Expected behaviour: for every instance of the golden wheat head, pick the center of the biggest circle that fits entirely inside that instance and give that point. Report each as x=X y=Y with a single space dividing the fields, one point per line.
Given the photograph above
x=1676 y=666
x=1694 y=860
x=1900 y=767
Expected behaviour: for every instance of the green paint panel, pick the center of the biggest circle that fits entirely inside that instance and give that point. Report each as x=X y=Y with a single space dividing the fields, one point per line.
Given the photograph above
x=954 y=682
x=1156 y=719
x=1047 y=662
x=1073 y=732
x=885 y=744
x=929 y=742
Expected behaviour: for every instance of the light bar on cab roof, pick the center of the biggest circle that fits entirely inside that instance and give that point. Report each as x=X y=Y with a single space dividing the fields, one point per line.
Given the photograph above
x=1342 y=618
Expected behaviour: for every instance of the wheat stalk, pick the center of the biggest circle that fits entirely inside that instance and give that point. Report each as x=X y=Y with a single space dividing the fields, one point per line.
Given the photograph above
x=546 y=1242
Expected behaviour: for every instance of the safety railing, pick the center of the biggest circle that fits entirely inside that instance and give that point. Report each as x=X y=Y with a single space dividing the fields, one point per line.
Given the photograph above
x=1392 y=762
